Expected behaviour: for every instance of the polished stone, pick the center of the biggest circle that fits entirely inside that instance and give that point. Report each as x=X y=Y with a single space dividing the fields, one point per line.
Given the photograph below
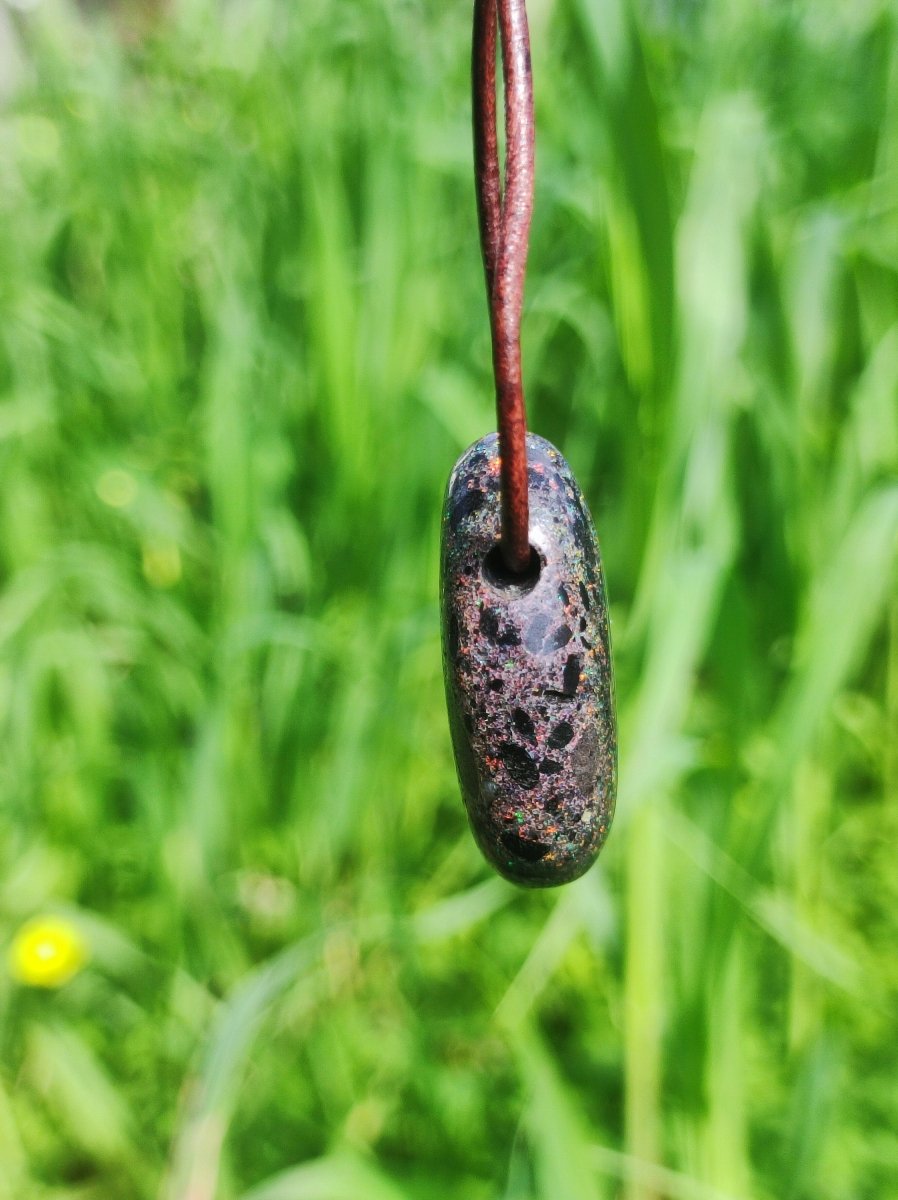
x=527 y=665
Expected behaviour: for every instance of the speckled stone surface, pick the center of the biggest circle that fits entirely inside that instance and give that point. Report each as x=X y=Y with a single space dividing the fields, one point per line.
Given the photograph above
x=528 y=671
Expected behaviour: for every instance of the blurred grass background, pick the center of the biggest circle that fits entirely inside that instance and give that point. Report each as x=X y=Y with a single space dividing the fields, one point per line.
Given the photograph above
x=243 y=340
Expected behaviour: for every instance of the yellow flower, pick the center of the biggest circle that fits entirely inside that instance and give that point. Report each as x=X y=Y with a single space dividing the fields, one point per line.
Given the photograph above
x=47 y=952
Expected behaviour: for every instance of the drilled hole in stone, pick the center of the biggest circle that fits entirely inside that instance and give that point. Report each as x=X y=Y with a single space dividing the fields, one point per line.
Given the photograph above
x=496 y=572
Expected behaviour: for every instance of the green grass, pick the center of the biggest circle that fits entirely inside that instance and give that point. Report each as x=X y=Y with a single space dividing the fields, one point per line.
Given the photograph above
x=243 y=340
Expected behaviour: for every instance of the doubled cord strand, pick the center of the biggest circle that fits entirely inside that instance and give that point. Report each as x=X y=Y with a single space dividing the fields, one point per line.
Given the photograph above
x=504 y=218
x=486 y=142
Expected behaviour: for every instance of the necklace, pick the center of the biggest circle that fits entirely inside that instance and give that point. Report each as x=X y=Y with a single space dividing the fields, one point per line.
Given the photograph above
x=526 y=640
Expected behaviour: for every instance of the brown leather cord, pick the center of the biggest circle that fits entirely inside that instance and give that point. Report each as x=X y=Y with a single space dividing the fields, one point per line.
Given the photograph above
x=504 y=232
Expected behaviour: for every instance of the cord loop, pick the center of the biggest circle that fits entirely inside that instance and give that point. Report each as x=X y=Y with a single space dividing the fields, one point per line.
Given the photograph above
x=504 y=218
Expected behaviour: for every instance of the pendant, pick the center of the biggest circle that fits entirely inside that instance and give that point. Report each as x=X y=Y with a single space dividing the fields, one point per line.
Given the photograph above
x=527 y=666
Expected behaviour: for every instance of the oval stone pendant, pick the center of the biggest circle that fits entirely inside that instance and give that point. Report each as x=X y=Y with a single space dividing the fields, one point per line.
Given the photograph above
x=527 y=663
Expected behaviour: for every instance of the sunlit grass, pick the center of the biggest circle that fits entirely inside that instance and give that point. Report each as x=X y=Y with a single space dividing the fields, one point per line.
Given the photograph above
x=243 y=341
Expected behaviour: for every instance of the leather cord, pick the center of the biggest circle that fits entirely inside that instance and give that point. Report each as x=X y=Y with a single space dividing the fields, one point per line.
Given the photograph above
x=504 y=216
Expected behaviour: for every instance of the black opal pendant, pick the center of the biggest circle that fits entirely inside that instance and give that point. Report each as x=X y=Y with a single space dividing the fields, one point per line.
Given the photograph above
x=527 y=663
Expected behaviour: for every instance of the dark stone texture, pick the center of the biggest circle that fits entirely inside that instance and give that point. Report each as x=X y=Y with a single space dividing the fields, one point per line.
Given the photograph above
x=519 y=766
x=528 y=672
x=524 y=725
x=560 y=735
